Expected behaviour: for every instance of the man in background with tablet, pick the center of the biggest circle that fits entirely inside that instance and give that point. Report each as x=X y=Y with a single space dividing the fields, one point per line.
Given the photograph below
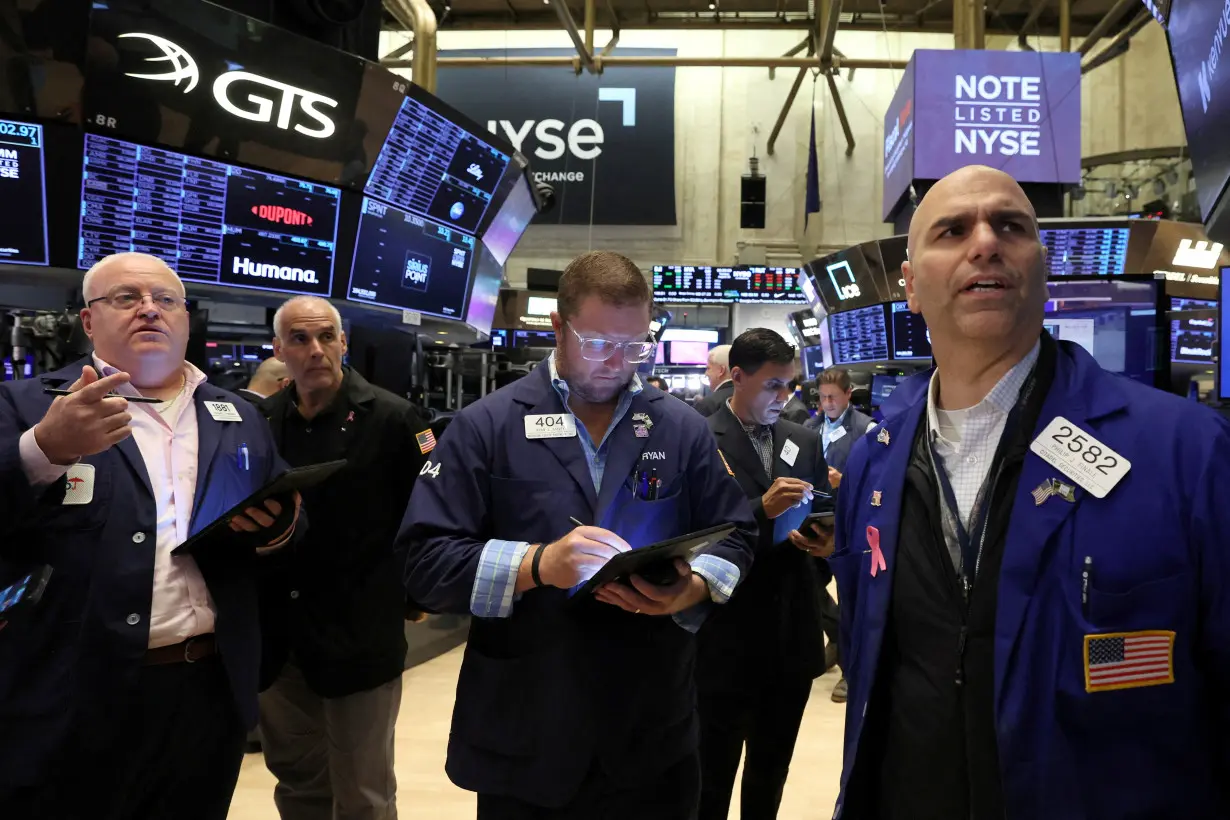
x=576 y=707
x=760 y=652
x=127 y=691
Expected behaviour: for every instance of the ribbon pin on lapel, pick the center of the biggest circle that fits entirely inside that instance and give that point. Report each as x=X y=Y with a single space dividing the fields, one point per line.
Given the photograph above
x=877 y=557
x=883 y=437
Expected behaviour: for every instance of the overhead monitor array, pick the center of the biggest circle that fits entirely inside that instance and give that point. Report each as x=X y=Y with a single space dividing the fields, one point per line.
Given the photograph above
x=263 y=161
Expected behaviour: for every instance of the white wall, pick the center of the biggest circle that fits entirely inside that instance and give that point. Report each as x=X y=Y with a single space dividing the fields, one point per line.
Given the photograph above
x=1129 y=103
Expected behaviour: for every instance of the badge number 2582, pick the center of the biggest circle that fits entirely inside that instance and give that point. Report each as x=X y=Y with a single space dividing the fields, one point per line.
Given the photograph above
x=1081 y=457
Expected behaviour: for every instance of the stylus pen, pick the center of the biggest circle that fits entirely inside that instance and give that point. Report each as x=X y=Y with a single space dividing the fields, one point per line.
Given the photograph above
x=573 y=520
x=52 y=391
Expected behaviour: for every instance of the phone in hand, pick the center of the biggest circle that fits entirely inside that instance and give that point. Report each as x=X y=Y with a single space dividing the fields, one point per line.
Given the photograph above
x=21 y=596
x=819 y=521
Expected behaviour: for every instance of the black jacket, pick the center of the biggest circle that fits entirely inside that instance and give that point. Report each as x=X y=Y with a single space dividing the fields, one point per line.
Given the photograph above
x=796 y=411
x=771 y=625
x=339 y=606
x=716 y=400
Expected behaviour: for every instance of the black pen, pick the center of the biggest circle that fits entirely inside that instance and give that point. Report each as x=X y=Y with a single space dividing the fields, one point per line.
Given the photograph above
x=653 y=485
x=1085 y=585
x=573 y=520
x=52 y=391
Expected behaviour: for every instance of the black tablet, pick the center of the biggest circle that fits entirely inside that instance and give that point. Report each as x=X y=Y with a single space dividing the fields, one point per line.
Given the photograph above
x=634 y=561
x=824 y=519
x=296 y=478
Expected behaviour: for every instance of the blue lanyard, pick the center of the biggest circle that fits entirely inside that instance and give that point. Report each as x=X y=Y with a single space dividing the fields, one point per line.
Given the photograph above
x=970 y=540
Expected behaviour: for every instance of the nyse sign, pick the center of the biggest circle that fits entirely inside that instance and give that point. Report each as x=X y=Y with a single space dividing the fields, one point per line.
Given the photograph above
x=998 y=115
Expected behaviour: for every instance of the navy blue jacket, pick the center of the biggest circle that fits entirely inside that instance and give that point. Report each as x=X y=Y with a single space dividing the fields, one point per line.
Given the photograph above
x=67 y=668
x=556 y=688
x=1159 y=544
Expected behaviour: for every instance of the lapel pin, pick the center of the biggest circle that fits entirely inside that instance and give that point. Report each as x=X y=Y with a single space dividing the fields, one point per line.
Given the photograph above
x=884 y=437
x=1065 y=491
x=350 y=416
x=641 y=431
x=1042 y=492
x=644 y=419
x=876 y=498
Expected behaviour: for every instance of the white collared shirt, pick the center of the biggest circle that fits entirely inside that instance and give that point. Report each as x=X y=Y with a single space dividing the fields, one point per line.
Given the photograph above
x=965 y=441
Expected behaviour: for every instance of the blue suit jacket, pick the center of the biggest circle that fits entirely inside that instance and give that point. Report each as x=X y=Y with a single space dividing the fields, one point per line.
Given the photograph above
x=547 y=690
x=66 y=670
x=1160 y=545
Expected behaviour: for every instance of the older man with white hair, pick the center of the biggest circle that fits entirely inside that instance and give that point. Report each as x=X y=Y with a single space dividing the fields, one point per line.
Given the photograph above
x=335 y=623
x=721 y=386
x=127 y=690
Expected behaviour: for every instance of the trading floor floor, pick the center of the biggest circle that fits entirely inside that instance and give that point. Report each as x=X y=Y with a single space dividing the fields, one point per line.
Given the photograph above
x=424 y=791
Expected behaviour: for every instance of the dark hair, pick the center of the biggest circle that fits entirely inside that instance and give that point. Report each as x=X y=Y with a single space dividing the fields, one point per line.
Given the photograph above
x=657 y=382
x=838 y=376
x=613 y=278
x=794 y=384
x=757 y=347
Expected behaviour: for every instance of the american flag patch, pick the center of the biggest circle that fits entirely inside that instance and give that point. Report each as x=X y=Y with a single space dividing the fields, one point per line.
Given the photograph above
x=427 y=441
x=1126 y=660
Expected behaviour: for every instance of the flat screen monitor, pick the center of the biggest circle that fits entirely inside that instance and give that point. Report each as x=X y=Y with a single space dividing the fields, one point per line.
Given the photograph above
x=1085 y=250
x=403 y=260
x=845 y=281
x=687 y=334
x=911 y=339
x=709 y=284
x=487 y=273
x=882 y=386
x=437 y=169
x=1115 y=320
x=814 y=358
x=1197 y=35
x=688 y=353
x=212 y=222
x=23 y=194
x=659 y=356
x=199 y=77
x=1223 y=315
x=510 y=222
x=533 y=338
x=1193 y=331
x=859 y=336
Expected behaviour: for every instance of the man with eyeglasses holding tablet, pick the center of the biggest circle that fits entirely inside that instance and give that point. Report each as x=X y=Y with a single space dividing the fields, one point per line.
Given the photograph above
x=126 y=693
x=576 y=708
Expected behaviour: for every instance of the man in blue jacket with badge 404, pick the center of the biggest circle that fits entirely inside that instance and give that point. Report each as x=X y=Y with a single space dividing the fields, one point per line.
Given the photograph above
x=1033 y=558
x=576 y=708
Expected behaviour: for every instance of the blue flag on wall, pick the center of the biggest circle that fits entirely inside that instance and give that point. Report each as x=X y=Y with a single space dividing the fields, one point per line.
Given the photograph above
x=813 y=172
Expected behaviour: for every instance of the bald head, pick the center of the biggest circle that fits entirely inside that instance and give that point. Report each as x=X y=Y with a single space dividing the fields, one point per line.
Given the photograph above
x=976 y=267
x=270 y=377
x=106 y=271
x=959 y=185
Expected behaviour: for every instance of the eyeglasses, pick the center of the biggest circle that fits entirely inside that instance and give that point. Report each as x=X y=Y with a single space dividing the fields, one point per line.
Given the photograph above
x=597 y=349
x=130 y=299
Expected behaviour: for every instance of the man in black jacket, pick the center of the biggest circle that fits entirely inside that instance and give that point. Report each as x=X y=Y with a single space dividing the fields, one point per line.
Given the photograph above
x=758 y=656
x=334 y=620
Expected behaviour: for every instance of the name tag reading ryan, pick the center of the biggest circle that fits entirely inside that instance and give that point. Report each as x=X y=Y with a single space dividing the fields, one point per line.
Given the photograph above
x=550 y=425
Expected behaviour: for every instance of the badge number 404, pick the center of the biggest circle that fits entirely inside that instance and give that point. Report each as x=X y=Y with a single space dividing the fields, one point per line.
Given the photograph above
x=550 y=425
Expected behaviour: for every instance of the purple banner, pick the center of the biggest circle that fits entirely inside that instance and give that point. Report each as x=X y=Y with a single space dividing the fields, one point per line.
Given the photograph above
x=899 y=142
x=1016 y=111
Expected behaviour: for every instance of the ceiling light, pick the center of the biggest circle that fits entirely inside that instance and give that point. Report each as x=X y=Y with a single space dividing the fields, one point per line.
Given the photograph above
x=439 y=341
x=442 y=332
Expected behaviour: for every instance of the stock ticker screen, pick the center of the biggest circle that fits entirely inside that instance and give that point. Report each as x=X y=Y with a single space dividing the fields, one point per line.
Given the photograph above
x=436 y=169
x=859 y=335
x=1086 y=251
x=707 y=284
x=910 y=337
x=1193 y=336
x=403 y=260
x=212 y=222
x=23 y=194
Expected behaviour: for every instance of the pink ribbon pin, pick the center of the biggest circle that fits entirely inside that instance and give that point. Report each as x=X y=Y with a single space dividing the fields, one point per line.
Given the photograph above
x=877 y=557
x=350 y=416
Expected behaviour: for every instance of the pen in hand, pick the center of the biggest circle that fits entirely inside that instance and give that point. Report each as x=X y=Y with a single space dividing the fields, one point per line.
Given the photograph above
x=53 y=391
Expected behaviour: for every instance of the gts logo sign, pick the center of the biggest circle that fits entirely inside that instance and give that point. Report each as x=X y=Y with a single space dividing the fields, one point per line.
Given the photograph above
x=583 y=138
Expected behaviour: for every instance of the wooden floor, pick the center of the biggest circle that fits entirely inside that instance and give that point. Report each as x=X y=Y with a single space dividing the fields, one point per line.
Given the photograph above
x=422 y=734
